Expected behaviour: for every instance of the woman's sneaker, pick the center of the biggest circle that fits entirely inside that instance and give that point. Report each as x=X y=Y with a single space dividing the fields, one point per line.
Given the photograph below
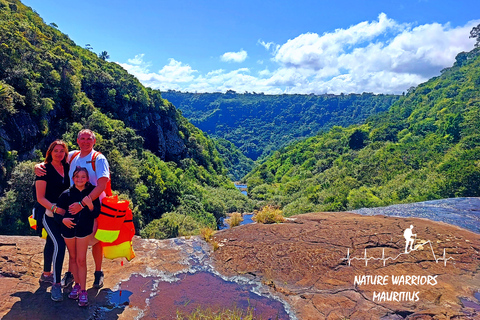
x=56 y=292
x=67 y=279
x=83 y=299
x=75 y=291
x=46 y=279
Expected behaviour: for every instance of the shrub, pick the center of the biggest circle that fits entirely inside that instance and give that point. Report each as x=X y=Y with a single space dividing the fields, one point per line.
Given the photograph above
x=268 y=214
x=160 y=229
x=235 y=219
x=207 y=234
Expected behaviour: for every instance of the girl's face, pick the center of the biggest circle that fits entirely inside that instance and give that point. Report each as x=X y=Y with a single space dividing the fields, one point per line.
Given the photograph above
x=80 y=179
x=58 y=153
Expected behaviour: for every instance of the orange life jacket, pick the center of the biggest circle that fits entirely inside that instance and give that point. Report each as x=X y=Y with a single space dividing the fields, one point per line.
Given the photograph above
x=122 y=246
x=110 y=220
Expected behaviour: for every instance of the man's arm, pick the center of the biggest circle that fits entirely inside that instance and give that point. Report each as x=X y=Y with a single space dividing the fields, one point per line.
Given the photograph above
x=101 y=185
x=40 y=170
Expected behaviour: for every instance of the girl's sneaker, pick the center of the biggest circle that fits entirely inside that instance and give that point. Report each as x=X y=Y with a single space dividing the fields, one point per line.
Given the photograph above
x=83 y=298
x=75 y=291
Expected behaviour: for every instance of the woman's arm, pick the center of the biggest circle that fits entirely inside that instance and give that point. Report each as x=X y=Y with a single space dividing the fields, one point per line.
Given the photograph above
x=40 y=188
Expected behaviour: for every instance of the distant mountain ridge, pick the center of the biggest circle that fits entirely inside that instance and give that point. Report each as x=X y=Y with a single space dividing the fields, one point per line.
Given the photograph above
x=259 y=124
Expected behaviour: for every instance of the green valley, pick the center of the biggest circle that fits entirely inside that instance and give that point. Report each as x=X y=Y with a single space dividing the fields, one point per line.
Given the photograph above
x=427 y=146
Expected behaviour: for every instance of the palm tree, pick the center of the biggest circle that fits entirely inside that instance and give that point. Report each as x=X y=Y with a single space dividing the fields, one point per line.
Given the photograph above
x=104 y=55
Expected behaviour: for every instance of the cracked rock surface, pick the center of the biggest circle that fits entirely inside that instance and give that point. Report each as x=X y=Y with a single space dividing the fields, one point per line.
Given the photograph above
x=305 y=262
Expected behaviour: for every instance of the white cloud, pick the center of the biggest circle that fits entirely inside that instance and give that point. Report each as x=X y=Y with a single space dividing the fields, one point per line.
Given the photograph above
x=268 y=45
x=137 y=60
x=171 y=76
x=382 y=56
x=313 y=51
x=234 y=56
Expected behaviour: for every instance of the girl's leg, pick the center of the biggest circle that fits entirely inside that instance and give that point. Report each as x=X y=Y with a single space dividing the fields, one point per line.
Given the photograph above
x=72 y=257
x=82 y=246
x=53 y=231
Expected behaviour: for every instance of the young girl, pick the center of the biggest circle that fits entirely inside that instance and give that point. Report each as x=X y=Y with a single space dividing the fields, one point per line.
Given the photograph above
x=77 y=228
x=48 y=189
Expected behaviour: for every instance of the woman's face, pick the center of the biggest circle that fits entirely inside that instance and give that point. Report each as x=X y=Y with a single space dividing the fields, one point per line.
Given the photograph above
x=58 y=153
x=80 y=179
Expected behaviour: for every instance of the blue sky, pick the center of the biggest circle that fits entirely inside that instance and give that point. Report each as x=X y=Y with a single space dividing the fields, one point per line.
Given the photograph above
x=275 y=47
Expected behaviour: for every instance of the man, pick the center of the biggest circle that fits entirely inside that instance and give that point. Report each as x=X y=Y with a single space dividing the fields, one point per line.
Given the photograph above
x=99 y=174
x=407 y=234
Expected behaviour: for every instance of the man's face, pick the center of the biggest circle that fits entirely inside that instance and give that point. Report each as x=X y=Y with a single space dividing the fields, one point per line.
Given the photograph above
x=86 y=142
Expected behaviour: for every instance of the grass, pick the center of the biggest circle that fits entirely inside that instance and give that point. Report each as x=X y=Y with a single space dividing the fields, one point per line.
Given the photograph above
x=225 y=314
x=235 y=219
x=207 y=234
x=268 y=214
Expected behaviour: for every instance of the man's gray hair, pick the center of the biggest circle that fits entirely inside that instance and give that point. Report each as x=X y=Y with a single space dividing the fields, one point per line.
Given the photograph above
x=90 y=132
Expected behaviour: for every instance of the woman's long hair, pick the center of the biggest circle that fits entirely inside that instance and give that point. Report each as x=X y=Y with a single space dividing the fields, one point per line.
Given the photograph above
x=48 y=156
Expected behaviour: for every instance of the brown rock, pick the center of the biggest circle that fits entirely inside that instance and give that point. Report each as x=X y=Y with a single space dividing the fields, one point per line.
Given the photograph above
x=303 y=260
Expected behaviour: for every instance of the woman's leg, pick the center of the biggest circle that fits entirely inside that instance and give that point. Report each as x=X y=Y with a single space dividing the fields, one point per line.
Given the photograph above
x=72 y=257
x=53 y=231
x=82 y=246
x=48 y=256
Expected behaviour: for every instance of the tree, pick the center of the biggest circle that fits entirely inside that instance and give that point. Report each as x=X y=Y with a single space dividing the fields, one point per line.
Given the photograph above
x=104 y=55
x=475 y=33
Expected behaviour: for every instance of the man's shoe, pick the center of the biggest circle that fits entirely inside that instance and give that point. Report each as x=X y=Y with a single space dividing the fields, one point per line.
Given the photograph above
x=67 y=279
x=98 y=282
x=83 y=299
x=56 y=292
x=75 y=291
x=46 y=279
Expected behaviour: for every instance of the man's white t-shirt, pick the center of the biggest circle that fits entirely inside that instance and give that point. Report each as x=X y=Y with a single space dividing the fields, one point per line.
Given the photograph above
x=101 y=167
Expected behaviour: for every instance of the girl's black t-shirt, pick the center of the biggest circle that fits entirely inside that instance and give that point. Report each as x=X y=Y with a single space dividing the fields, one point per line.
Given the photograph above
x=84 y=220
x=56 y=184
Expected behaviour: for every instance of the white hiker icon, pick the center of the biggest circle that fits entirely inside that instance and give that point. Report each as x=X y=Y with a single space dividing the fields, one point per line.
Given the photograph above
x=407 y=234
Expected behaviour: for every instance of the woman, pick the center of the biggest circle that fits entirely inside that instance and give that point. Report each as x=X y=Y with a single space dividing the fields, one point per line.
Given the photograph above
x=48 y=188
x=77 y=229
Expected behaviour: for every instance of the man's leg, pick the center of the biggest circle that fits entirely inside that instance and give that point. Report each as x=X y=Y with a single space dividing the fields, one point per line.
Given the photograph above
x=97 y=252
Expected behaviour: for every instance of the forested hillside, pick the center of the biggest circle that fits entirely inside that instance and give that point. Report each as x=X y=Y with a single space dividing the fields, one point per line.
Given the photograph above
x=427 y=146
x=259 y=124
x=51 y=88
